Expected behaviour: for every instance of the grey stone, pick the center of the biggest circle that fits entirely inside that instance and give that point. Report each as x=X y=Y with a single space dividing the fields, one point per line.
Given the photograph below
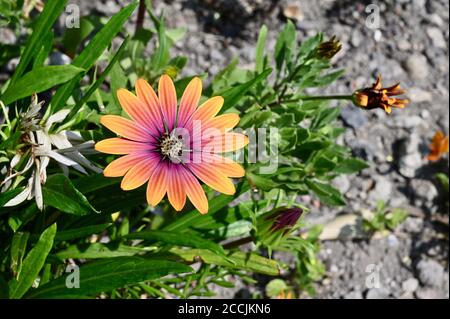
x=410 y=285
x=58 y=58
x=354 y=117
x=382 y=190
x=378 y=293
x=417 y=95
x=435 y=34
x=356 y=38
x=7 y=36
x=342 y=183
x=429 y=293
x=355 y=294
x=431 y=273
x=417 y=66
x=424 y=189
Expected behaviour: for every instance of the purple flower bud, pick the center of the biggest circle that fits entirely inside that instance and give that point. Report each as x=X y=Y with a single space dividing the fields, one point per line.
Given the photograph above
x=285 y=218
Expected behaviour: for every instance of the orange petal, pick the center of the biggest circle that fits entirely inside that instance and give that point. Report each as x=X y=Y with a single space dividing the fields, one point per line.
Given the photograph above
x=212 y=177
x=146 y=94
x=175 y=191
x=193 y=190
x=206 y=111
x=157 y=184
x=225 y=165
x=189 y=100
x=136 y=109
x=227 y=142
x=120 y=146
x=120 y=166
x=167 y=100
x=126 y=128
x=216 y=126
x=139 y=173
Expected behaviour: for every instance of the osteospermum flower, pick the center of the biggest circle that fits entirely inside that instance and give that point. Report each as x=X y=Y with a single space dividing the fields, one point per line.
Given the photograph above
x=172 y=148
x=379 y=97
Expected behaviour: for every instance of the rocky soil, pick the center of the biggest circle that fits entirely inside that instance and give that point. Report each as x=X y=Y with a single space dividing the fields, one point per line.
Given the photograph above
x=410 y=45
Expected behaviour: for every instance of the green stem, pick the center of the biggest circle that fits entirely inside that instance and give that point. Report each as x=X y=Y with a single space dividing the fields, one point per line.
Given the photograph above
x=325 y=97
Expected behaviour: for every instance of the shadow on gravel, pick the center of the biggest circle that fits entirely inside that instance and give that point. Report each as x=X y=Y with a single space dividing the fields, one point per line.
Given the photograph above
x=229 y=17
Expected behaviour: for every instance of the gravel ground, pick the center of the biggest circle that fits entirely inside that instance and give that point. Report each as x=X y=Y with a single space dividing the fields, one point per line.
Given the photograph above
x=411 y=46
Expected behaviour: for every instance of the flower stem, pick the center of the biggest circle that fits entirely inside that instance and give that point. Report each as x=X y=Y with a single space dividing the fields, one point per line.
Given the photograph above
x=325 y=97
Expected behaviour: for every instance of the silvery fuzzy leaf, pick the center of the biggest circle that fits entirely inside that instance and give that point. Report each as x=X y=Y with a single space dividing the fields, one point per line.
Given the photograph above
x=21 y=197
x=79 y=158
x=73 y=136
x=65 y=147
x=56 y=118
x=15 y=160
x=43 y=140
x=38 y=186
x=25 y=169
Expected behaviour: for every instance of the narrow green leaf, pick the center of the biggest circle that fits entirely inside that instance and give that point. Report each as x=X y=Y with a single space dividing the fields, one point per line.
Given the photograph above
x=92 y=52
x=52 y=10
x=32 y=264
x=99 y=250
x=60 y=193
x=234 y=94
x=81 y=232
x=109 y=274
x=46 y=48
x=234 y=260
x=73 y=36
x=259 y=56
x=39 y=80
x=99 y=80
x=18 y=249
x=175 y=238
x=94 y=182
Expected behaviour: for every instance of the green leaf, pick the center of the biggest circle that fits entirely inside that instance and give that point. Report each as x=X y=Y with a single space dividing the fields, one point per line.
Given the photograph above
x=81 y=232
x=52 y=10
x=234 y=94
x=73 y=36
x=234 y=260
x=161 y=55
x=32 y=264
x=92 y=52
x=325 y=116
x=259 y=56
x=109 y=274
x=39 y=80
x=175 y=238
x=94 y=182
x=4 y=293
x=99 y=250
x=285 y=45
x=18 y=249
x=327 y=194
x=47 y=46
x=193 y=217
x=60 y=193
x=442 y=178
x=350 y=166
x=99 y=80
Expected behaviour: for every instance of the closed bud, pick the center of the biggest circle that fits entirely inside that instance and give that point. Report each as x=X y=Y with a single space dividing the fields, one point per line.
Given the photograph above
x=274 y=226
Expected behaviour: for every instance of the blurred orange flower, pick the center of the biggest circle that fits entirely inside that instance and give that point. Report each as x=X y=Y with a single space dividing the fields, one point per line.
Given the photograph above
x=438 y=146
